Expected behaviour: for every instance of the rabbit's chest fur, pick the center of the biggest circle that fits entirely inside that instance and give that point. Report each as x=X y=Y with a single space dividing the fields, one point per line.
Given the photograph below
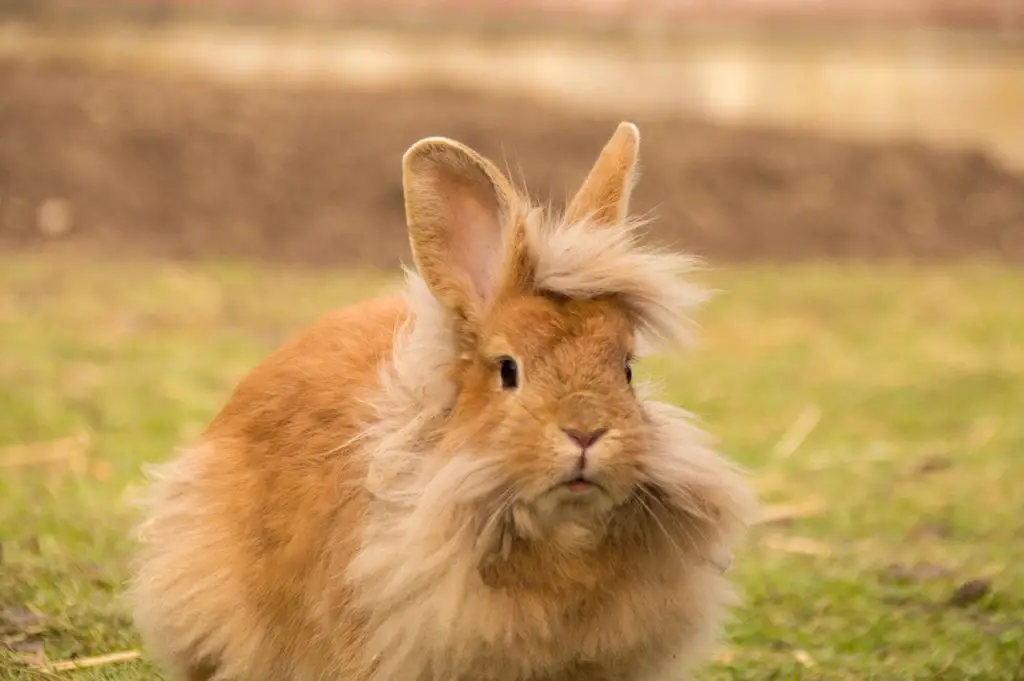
x=601 y=616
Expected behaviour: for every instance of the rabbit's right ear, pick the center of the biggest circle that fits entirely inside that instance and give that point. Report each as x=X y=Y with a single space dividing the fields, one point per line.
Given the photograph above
x=457 y=208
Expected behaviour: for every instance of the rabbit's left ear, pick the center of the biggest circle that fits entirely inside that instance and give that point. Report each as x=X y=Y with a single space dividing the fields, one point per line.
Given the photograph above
x=604 y=196
x=457 y=207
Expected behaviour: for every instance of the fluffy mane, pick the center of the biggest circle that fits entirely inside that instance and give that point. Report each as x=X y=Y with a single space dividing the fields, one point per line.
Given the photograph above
x=425 y=537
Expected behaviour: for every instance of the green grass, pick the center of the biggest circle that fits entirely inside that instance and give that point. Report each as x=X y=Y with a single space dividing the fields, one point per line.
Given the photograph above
x=906 y=367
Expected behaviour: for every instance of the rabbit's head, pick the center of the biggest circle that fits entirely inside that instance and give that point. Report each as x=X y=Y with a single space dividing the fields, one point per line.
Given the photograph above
x=537 y=320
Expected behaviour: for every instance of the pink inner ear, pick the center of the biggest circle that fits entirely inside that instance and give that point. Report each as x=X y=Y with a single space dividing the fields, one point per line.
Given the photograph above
x=476 y=244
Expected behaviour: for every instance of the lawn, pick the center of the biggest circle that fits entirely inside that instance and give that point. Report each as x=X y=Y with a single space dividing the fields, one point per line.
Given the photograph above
x=881 y=409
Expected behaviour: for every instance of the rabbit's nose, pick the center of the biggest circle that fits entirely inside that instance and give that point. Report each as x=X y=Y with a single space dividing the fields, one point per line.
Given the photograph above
x=584 y=440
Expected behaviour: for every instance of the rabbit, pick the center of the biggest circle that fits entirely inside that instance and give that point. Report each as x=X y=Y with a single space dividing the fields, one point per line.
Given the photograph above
x=463 y=481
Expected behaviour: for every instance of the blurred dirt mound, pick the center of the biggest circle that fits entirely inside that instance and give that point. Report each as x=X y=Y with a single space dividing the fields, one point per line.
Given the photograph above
x=122 y=163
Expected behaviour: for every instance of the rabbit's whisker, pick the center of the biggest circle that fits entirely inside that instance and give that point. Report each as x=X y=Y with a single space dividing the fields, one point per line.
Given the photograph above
x=653 y=515
x=671 y=517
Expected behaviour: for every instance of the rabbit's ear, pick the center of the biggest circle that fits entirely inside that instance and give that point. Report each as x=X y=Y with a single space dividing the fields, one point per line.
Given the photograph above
x=604 y=196
x=457 y=208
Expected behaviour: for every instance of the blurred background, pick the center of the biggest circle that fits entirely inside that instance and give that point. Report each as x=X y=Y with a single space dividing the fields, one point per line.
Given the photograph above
x=775 y=129
x=185 y=183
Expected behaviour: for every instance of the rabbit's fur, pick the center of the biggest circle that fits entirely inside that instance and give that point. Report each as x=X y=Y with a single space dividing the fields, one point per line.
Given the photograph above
x=379 y=501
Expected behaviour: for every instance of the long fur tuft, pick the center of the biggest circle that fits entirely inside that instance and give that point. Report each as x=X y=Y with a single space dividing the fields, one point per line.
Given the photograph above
x=581 y=260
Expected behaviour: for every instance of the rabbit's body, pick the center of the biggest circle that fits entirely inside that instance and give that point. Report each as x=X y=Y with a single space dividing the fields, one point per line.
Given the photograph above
x=236 y=536
x=370 y=506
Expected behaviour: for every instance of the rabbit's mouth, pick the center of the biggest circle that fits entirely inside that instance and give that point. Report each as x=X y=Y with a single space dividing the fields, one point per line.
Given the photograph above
x=579 y=483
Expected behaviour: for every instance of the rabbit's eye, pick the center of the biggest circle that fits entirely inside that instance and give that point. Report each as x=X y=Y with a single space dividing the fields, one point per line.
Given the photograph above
x=509 y=373
x=629 y=371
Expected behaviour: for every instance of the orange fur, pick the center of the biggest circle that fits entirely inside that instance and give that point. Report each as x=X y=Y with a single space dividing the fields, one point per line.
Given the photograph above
x=373 y=504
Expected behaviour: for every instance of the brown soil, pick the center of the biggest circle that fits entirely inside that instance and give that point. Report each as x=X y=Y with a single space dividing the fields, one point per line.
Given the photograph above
x=184 y=169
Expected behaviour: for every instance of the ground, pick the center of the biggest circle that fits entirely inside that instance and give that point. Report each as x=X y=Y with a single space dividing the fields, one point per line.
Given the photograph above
x=156 y=238
x=880 y=403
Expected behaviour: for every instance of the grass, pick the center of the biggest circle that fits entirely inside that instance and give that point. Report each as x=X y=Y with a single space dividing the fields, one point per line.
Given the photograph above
x=916 y=377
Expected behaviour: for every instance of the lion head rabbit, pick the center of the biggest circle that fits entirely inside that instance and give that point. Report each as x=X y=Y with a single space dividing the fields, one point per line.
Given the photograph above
x=464 y=482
